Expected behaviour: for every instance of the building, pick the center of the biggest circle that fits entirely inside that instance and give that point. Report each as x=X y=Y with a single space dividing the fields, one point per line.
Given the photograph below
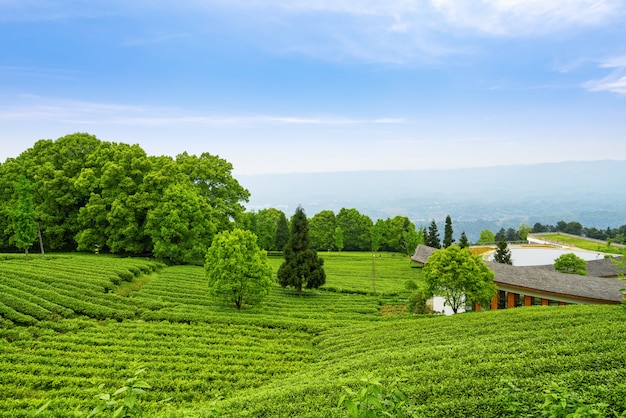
x=543 y=285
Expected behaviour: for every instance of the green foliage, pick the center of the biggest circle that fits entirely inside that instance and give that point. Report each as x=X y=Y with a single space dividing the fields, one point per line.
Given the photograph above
x=124 y=402
x=463 y=241
x=373 y=400
x=322 y=227
x=376 y=234
x=503 y=254
x=432 y=238
x=523 y=231
x=282 y=232
x=180 y=226
x=459 y=277
x=338 y=238
x=570 y=263
x=447 y=234
x=558 y=402
x=237 y=269
x=410 y=285
x=302 y=267
x=355 y=228
x=23 y=216
x=112 y=196
x=291 y=356
x=486 y=237
x=417 y=304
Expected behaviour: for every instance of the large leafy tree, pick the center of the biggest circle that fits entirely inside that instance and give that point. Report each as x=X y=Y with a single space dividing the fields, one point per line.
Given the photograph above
x=264 y=224
x=212 y=177
x=52 y=167
x=448 y=240
x=412 y=239
x=180 y=226
x=237 y=269
x=459 y=277
x=282 y=232
x=90 y=193
x=570 y=263
x=321 y=228
x=486 y=237
x=24 y=224
x=118 y=202
x=356 y=229
x=395 y=234
x=302 y=266
x=523 y=231
x=377 y=234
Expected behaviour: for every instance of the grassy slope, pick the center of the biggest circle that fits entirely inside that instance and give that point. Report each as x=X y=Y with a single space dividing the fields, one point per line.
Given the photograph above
x=291 y=356
x=582 y=243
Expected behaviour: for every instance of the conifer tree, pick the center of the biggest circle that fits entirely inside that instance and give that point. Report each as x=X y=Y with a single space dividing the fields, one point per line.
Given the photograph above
x=432 y=239
x=464 y=242
x=503 y=254
x=447 y=233
x=302 y=267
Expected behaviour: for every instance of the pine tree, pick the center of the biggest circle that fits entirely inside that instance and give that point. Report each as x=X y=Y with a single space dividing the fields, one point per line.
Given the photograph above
x=464 y=242
x=503 y=254
x=432 y=239
x=447 y=233
x=302 y=267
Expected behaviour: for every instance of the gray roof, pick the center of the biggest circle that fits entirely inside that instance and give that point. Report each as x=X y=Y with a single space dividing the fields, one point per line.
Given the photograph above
x=604 y=267
x=546 y=279
x=422 y=252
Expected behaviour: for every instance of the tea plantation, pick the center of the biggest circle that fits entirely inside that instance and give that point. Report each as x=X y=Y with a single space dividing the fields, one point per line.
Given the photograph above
x=73 y=327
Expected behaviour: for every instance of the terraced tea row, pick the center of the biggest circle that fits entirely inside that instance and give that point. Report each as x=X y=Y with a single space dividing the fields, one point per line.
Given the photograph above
x=64 y=286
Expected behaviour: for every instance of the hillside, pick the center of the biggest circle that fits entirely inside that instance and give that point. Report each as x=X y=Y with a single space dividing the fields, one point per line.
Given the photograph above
x=65 y=329
x=476 y=198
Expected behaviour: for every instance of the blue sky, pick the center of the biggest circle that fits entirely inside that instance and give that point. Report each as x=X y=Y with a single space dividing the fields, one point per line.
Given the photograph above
x=278 y=86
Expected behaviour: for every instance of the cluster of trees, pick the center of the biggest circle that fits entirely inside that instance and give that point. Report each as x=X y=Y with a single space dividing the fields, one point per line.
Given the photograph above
x=576 y=228
x=348 y=230
x=239 y=272
x=88 y=194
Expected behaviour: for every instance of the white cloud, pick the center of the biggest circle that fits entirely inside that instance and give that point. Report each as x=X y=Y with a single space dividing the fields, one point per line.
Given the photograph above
x=615 y=62
x=35 y=109
x=614 y=84
x=527 y=17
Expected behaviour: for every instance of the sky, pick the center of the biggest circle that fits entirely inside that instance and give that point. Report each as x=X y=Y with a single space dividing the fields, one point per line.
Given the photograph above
x=282 y=86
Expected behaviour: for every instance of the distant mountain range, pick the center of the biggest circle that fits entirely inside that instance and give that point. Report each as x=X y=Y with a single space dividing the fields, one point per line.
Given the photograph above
x=590 y=192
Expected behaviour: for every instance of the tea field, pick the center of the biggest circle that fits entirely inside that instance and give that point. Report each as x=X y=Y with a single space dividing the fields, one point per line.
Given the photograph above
x=75 y=326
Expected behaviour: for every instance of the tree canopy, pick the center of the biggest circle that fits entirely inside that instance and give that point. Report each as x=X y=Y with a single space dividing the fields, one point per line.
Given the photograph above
x=237 y=269
x=89 y=193
x=459 y=277
x=302 y=266
x=23 y=216
x=570 y=263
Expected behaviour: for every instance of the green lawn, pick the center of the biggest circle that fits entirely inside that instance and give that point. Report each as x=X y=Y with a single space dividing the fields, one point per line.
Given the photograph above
x=582 y=243
x=358 y=272
x=290 y=356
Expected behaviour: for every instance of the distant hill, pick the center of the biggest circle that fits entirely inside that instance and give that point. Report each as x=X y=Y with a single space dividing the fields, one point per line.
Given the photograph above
x=590 y=192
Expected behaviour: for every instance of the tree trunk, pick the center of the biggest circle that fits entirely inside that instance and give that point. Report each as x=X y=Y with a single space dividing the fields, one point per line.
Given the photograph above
x=43 y=255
